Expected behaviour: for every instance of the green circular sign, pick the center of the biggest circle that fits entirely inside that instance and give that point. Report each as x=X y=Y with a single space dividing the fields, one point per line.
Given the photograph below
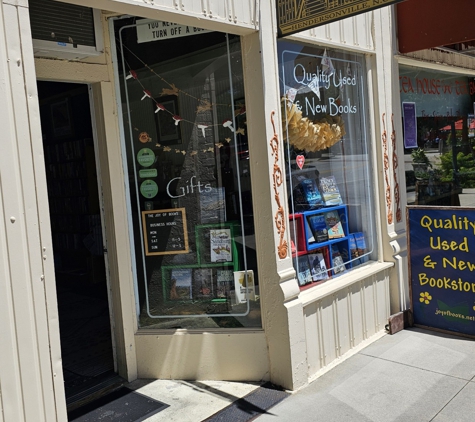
x=149 y=188
x=146 y=157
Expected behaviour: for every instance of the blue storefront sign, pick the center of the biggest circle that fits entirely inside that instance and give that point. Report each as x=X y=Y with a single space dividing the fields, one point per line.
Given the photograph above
x=442 y=268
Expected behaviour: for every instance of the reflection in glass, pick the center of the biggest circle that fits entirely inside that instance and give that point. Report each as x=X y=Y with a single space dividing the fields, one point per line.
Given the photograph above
x=329 y=172
x=440 y=162
x=183 y=99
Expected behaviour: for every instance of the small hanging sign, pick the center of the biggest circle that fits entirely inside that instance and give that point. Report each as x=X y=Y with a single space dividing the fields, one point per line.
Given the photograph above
x=151 y=30
x=298 y=15
x=300 y=159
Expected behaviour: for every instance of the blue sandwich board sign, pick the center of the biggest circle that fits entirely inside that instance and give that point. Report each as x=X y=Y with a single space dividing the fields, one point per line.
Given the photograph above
x=442 y=267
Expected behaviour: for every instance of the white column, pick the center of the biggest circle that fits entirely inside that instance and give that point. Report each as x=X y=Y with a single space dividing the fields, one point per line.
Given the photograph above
x=281 y=307
x=30 y=365
x=393 y=181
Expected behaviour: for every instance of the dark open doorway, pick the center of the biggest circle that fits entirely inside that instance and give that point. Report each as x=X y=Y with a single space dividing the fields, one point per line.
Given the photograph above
x=80 y=270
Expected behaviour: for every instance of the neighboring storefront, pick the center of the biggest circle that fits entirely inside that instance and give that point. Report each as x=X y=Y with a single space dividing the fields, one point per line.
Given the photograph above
x=436 y=68
x=439 y=126
x=247 y=231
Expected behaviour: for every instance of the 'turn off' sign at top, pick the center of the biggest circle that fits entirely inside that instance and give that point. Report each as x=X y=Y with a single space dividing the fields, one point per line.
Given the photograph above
x=297 y=15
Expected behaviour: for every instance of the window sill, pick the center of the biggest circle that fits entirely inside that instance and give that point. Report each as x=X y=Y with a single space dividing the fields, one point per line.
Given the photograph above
x=334 y=285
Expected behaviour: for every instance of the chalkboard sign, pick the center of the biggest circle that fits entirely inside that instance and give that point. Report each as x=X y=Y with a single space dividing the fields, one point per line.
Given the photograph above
x=165 y=231
x=442 y=268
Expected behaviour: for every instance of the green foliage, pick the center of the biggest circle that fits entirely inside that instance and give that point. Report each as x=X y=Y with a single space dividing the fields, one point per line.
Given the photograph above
x=419 y=156
x=465 y=167
x=433 y=175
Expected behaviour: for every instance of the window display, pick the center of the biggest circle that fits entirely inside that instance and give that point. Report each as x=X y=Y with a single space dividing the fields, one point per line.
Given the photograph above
x=328 y=166
x=187 y=159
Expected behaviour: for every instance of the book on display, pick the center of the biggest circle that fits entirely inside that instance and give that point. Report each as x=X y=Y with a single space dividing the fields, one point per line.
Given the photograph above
x=330 y=192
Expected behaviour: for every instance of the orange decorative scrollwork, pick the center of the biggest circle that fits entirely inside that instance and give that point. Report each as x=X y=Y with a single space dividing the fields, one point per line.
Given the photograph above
x=386 y=173
x=397 y=196
x=277 y=177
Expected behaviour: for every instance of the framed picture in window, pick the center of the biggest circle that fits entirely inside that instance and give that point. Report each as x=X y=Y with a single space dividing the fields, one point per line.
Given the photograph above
x=216 y=244
x=168 y=130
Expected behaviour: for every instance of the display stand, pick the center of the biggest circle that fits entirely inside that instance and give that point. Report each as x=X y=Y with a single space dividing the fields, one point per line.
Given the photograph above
x=207 y=257
x=297 y=235
x=331 y=248
x=218 y=258
x=341 y=244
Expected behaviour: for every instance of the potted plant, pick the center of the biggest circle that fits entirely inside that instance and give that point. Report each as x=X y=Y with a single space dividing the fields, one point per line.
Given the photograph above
x=420 y=162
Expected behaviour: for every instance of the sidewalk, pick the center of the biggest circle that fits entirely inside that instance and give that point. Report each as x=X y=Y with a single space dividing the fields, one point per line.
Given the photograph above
x=414 y=375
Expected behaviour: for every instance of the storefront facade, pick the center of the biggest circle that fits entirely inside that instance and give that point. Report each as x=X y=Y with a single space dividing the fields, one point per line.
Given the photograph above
x=194 y=139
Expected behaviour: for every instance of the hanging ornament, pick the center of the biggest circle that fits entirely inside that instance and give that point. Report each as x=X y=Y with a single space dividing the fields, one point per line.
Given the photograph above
x=183 y=152
x=177 y=119
x=300 y=159
x=228 y=140
x=327 y=65
x=314 y=85
x=241 y=131
x=240 y=110
x=219 y=144
x=291 y=94
x=203 y=127
x=229 y=124
x=144 y=137
x=204 y=106
x=173 y=91
x=160 y=107
x=167 y=149
x=146 y=94
x=132 y=74
x=193 y=153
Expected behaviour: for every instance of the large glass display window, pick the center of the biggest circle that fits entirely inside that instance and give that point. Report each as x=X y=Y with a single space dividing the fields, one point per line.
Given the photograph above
x=184 y=117
x=329 y=176
x=439 y=136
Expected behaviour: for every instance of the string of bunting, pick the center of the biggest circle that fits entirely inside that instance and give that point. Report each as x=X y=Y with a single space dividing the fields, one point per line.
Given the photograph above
x=203 y=106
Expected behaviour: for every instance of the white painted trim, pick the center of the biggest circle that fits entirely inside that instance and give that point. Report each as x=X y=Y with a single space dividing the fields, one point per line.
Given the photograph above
x=204 y=356
x=120 y=113
x=95 y=137
x=34 y=390
x=439 y=67
x=355 y=350
x=171 y=332
x=121 y=290
x=356 y=275
x=308 y=39
x=185 y=12
x=75 y=72
x=98 y=76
